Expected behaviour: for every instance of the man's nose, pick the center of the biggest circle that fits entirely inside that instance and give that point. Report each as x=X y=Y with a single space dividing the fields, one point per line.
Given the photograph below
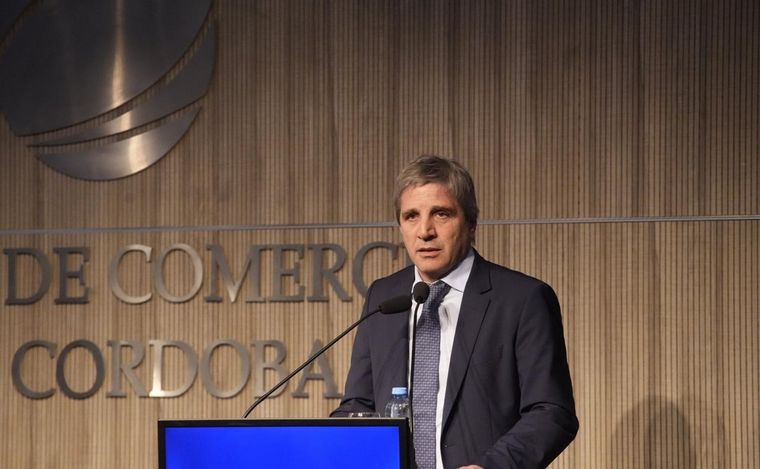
x=426 y=229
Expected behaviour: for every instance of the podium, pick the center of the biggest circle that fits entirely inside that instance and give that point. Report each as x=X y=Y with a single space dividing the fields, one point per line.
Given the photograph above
x=335 y=443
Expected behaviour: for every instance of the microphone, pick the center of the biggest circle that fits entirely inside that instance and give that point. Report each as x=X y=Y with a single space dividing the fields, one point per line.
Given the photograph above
x=397 y=304
x=420 y=292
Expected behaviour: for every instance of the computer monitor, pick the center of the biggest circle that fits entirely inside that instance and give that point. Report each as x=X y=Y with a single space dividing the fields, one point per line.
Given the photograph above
x=338 y=443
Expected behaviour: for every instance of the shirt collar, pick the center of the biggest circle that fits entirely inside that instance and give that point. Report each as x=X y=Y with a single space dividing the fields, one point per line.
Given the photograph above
x=457 y=278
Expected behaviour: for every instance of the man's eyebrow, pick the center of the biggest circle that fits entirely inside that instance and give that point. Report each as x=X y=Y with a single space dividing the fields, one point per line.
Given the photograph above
x=411 y=211
x=443 y=208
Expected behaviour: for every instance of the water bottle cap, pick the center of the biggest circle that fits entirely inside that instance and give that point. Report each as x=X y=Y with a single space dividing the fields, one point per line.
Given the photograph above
x=400 y=391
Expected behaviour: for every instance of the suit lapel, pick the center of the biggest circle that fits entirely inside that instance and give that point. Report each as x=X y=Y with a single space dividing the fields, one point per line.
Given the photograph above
x=395 y=357
x=391 y=335
x=471 y=314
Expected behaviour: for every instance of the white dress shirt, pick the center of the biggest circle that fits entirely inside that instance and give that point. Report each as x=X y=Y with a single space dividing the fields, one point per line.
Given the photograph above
x=448 y=314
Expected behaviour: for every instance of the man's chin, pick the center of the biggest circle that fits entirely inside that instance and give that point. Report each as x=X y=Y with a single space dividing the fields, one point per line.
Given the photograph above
x=430 y=273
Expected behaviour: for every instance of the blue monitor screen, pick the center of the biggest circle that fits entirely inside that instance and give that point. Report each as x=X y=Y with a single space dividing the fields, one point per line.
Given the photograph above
x=285 y=444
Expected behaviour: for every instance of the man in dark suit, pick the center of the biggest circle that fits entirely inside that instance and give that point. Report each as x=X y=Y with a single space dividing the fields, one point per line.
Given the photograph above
x=491 y=383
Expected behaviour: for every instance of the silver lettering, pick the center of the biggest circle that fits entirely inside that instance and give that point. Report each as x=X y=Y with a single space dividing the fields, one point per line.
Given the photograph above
x=245 y=369
x=44 y=265
x=113 y=274
x=18 y=360
x=261 y=364
x=66 y=275
x=280 y=272
x=117 y=367
x=60 y=367
x=191 y=367
x=252 y=268
x=325 y=374
x=357 y=270
x=319 y=272
x=158 y=273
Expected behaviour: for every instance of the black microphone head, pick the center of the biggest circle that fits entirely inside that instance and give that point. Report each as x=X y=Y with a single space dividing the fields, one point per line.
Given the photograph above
x=395 y=305
x=420 y=292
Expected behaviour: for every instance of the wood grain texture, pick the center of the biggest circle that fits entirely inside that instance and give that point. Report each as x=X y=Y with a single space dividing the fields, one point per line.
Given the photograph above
x=560 y=109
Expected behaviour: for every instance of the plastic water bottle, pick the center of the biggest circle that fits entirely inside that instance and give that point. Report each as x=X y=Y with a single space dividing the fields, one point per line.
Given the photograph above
x=398 y=406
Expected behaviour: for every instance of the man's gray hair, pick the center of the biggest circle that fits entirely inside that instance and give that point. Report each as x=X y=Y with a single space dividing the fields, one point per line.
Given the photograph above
x=446 y=172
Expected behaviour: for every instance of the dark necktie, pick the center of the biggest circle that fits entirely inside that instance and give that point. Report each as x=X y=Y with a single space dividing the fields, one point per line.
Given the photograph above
x=425 y=398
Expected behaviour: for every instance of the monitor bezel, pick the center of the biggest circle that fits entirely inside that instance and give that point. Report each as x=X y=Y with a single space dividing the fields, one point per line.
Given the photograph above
x=401 y=424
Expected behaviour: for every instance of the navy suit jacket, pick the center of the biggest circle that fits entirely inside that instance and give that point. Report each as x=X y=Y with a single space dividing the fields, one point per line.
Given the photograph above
x=509 y=399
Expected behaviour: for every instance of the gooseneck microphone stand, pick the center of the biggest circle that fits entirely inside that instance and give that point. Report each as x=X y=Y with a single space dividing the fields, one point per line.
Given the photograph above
x=395 y=305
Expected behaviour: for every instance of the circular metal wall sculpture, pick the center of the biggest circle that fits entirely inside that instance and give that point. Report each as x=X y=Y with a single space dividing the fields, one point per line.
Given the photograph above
x=67 y=63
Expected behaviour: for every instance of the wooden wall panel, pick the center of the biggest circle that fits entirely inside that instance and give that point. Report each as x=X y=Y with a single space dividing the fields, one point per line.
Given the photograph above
x=615 y=149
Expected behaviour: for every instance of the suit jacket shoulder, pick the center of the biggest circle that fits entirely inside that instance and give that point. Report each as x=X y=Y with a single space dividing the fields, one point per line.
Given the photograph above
x=398 y=283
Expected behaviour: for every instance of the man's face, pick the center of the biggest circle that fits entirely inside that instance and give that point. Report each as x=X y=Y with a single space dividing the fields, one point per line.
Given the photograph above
x=435 y=232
